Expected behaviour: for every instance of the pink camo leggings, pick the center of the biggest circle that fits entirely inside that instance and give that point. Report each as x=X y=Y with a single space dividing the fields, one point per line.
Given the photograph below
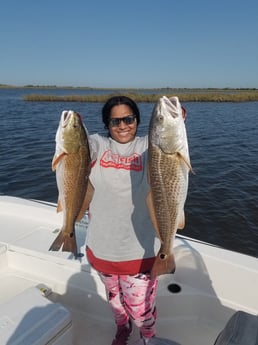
x=134 y=297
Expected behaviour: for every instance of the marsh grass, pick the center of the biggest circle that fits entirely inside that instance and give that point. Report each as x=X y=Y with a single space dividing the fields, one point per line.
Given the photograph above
x=209 y=96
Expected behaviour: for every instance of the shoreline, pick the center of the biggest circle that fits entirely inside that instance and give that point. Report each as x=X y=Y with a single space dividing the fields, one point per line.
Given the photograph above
x=139 y=95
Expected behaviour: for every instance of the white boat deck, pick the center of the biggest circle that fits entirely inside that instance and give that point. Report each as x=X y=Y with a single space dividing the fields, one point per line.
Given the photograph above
x=212 y=283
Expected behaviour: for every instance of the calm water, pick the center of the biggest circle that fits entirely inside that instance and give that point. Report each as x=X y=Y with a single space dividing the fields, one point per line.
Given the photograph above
x=222 y=203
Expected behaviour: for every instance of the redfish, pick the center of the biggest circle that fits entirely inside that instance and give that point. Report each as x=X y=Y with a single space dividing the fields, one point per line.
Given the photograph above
x=72 y=165
x=168 y=168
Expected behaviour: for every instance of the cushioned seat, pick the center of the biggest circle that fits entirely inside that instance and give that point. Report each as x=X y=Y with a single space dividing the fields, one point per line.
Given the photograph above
x=241 y=329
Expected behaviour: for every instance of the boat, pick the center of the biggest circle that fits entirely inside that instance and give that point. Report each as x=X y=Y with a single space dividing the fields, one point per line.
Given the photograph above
x=49 y=297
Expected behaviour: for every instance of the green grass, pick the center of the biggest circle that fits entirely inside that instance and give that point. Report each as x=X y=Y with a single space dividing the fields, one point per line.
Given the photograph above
x=186 y=96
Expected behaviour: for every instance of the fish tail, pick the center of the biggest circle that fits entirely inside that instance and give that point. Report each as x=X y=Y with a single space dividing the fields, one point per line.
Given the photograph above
x=56 y=245
x=70 y=244
x=164 y=263
x=66 y=241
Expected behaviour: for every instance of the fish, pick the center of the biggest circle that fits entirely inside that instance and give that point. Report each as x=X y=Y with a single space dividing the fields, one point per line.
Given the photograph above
x=72 y=164
x=168 y=173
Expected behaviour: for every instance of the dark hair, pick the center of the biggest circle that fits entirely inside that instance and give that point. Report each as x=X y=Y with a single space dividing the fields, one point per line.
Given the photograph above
x=117 y=100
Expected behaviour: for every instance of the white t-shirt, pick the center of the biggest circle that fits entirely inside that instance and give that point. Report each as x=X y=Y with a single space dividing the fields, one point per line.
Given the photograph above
x=120 y=228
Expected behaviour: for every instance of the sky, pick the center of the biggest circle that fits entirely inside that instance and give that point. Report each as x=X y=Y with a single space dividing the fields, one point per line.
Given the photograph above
x=129 y=44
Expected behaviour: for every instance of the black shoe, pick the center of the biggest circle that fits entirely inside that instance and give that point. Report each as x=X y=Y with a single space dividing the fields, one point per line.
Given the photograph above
x=123 y=333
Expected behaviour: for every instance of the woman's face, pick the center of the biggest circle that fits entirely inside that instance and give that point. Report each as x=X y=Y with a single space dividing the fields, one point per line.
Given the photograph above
x=122 y=131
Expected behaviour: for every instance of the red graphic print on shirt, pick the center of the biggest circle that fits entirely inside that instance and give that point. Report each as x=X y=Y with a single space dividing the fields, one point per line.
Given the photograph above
x=112 y=160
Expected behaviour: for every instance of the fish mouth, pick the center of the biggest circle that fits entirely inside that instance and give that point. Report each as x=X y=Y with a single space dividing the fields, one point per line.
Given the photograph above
x=65 y=117
x=171 y=104
x=70 y=117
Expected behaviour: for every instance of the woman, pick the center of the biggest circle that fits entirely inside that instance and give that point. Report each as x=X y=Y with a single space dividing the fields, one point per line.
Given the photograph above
x=121 y=241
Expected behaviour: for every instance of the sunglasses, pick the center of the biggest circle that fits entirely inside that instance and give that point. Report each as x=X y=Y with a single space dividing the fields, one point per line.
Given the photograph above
x=128 y=120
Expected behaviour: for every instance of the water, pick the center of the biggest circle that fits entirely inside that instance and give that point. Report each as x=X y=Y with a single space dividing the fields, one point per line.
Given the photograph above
x=222 y=202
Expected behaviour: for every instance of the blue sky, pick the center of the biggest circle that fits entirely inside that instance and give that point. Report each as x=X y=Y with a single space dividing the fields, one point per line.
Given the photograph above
x=133 y=43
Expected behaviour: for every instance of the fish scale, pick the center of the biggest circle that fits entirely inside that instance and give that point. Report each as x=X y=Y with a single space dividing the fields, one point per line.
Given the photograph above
x=72 y=169
x=168 y=195
x=72 y=164
x=168 y=165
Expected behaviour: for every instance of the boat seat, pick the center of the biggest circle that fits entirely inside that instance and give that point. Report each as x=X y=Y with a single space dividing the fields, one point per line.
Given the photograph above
x=30 y=318
x=241 y=329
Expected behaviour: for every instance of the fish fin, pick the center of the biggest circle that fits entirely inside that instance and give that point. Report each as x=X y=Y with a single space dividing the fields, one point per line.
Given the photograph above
x=59 y=207
x=150 y=205
x=86 y=202
x=186 y=161
x=181 y=223
x=163 y=264
x=148 y=174
x=56 y=159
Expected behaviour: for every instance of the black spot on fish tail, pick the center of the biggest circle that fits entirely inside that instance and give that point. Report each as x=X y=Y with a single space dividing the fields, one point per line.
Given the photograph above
x=164 y=264
x=65 y=241
x=69 y=244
